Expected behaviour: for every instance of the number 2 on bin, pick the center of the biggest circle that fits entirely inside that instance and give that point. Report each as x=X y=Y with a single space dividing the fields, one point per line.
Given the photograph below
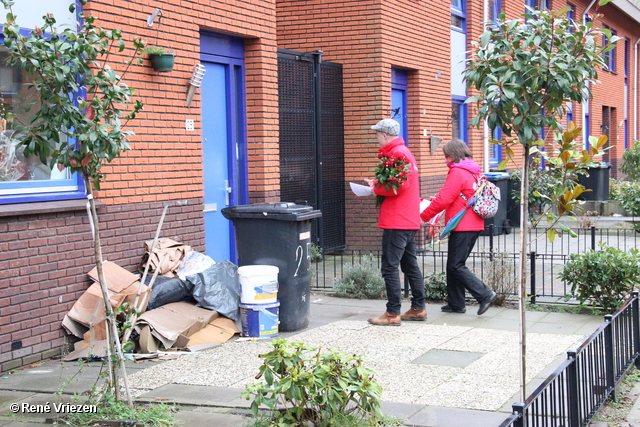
x=300 y=254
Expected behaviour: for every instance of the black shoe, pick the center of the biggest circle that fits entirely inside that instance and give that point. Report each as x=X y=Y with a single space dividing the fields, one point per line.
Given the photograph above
x=448 y=309
x=484 y=305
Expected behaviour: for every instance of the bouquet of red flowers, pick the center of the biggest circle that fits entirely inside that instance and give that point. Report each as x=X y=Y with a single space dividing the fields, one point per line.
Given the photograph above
x=390 y=173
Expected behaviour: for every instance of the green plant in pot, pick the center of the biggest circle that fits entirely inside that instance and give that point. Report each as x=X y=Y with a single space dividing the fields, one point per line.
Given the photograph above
x=161 y=60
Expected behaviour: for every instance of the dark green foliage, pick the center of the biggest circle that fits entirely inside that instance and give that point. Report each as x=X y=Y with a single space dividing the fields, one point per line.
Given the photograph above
x=604 y=278
x=361 y=280
x=435 y=286
x=631 y=162
x=629 y=197
x=314 y=387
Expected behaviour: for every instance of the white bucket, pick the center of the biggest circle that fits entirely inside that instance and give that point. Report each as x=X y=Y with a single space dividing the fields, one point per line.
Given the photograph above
x=258 y=284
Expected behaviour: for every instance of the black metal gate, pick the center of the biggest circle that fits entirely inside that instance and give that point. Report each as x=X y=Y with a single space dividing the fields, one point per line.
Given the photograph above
x=312 y=141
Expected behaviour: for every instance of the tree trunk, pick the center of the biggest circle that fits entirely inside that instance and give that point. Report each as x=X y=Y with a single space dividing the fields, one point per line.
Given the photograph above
x=114 y=347
x=522 y=292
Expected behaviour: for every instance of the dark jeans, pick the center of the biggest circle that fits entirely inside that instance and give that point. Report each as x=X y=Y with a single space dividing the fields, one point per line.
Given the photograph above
x=459 y=277
x=399 y=248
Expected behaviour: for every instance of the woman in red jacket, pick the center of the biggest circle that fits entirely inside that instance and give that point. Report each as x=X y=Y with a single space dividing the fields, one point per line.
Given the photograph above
x=461 y=180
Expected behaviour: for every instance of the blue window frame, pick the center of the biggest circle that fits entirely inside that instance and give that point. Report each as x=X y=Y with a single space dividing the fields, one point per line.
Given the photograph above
x=609 y=56
x=399 y=89
x=459 y=122
x=571 y=14
x=537 y=4
x=27 y=179
x=458 y=15
x=627 y=48
x=495 y=7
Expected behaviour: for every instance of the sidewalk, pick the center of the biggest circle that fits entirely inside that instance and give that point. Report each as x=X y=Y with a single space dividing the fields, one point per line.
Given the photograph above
x=452 y=370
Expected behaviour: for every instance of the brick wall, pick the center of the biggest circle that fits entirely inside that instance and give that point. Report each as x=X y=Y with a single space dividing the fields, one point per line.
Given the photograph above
x=45 y=257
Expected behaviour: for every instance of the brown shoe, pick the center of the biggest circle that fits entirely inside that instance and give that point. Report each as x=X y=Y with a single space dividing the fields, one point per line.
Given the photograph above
x=386 y=320
x=414 y=314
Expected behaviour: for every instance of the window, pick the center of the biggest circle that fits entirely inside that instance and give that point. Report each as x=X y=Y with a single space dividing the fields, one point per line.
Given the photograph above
x=458 y=17
x=495 y=7
x=495 y=151
x=627 y=44
x=609 y=56
x=537 y=4
x=459 y=119
x=26 y=179
x=571 y=14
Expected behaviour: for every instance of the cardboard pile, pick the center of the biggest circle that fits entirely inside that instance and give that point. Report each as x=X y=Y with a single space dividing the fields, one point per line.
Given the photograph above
x=182 y=325
x=87 y=319
x=179 y=325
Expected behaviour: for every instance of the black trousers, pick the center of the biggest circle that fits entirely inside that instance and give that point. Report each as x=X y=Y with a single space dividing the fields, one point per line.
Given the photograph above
x=459 y=277
x=399 y=248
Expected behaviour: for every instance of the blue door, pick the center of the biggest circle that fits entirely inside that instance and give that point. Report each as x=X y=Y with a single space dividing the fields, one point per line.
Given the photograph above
x=223 y=141
x=217 y=185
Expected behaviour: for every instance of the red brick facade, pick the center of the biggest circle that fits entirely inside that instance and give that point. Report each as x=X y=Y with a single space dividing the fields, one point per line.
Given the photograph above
x=46 y=249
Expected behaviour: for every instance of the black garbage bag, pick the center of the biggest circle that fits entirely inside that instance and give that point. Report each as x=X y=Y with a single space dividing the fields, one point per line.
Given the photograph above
x=167 y=290
x=217 y=288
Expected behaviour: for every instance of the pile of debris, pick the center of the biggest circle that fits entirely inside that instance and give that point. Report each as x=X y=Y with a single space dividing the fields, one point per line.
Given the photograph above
x=188 y=303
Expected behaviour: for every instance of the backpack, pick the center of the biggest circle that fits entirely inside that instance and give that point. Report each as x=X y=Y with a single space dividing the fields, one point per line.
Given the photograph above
x=486 y=199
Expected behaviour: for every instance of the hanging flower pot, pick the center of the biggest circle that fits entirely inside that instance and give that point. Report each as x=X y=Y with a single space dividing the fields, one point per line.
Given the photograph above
x=162 y=62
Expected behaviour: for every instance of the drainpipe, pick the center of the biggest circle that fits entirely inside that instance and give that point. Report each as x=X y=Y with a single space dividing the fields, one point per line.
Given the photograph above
x=585 y=136
x=635 y=91
x=485 y=127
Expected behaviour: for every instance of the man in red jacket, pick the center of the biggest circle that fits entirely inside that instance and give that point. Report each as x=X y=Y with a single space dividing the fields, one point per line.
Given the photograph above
x=399 y=218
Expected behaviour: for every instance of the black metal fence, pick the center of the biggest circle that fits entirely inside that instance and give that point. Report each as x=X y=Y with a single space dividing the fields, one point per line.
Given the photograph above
x=497 y=251
x=573 y=393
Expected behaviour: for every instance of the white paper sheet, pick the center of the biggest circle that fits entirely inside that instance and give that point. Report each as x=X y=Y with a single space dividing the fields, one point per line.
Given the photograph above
x=361 y=190
x=424 y=204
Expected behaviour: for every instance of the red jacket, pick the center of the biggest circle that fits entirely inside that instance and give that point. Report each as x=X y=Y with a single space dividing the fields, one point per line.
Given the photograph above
x=400 y=211
x=460 y=179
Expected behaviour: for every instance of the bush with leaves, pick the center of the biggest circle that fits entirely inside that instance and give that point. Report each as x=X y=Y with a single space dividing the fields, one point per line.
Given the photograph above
x=435 y=286
x=604 y=278
x=303 y=385
x=361 y=279
x=631 y=162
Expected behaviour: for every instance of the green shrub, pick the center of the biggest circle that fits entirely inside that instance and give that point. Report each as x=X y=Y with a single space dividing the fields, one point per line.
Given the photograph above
x=310 y=386
x=361 y=279
x=604 y=277
x=435 y=286
x=629 y=197
x=631 y=162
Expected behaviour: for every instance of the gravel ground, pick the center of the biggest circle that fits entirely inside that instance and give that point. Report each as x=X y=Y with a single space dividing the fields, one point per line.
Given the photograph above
x=486 y=383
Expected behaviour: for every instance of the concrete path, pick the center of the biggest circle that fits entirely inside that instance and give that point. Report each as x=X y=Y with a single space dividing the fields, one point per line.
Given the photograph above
x=452 y=370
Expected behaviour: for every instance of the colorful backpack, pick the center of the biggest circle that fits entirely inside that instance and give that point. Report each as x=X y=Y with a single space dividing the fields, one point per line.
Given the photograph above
x=486 y=199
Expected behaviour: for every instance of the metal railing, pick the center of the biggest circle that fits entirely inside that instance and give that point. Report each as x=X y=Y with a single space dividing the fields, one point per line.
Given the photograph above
x=546 y=259
x=575 y=391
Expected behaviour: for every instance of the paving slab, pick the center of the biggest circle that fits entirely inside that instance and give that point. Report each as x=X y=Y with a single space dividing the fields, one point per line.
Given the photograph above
x=433 y=416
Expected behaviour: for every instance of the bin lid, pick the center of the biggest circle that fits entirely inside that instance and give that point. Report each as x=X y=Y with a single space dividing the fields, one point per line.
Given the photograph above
x=497 y=175
x=283 y=211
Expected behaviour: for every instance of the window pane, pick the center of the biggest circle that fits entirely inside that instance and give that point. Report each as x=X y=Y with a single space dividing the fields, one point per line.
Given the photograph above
x=457 y=22
x=455 y=121
x=17 y=172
